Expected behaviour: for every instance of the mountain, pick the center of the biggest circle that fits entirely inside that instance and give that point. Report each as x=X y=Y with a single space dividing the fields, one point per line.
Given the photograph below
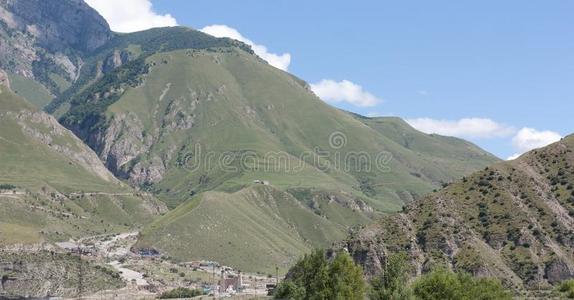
x=194 y=119
x=164 y=109
x=53 y=187
x=45 y=42
x=513 y=220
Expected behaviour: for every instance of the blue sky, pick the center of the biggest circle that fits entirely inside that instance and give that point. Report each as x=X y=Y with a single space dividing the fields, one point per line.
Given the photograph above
x=499 y=73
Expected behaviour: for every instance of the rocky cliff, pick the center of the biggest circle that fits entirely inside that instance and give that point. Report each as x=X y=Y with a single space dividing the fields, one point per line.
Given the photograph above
x=47 y=40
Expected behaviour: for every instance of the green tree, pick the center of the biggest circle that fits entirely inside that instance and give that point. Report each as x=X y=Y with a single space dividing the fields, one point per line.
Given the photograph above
x=315 y=278
x=346 y=278
x=392 y=283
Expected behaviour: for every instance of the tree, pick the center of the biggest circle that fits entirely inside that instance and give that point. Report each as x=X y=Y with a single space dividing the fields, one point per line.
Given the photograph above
x=392 y=283
x=314 y=277
x=346 y=278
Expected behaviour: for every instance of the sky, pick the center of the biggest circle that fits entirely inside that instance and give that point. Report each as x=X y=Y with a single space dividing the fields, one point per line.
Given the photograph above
x=497 y=73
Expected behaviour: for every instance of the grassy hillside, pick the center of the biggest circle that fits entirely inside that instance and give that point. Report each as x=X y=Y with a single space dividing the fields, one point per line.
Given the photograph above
x=254 y=229
x=52 y=186
x=513 y=220
x=450 y=155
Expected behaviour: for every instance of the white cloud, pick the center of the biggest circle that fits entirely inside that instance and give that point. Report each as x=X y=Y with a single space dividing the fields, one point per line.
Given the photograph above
x=515 y=156
x=280 y=61
x=344 y=91
x=131 y=15
x=464 y=128
x=528 y=139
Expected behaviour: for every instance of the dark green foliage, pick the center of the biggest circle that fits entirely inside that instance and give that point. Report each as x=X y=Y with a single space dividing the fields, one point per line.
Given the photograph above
x=181 y=293
x=88 y=108
x=7 y=187
x=314 y=277
x=567 y=289
x=445 y=285
x=392 y=283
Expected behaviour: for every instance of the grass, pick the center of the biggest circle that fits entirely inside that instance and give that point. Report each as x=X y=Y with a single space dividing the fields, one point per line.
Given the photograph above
x=252 y=230
x=31 y=90
x=46 y=164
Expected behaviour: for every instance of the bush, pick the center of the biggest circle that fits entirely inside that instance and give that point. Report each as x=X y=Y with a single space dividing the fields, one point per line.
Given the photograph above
x=7 y=187
x=567 y=288
x=181 y=293
x=445 y=285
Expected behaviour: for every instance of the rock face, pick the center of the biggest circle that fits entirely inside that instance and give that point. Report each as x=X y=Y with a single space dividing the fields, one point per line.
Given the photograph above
x=514 y=220
x=43 y=38
x=57 y=24
x=4 y=80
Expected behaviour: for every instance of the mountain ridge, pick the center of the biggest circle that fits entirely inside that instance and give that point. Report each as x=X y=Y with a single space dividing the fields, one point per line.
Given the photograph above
x=513 y=220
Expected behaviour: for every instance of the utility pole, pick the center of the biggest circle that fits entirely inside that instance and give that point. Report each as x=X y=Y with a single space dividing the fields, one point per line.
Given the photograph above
x=80 y=274
x=277 y=275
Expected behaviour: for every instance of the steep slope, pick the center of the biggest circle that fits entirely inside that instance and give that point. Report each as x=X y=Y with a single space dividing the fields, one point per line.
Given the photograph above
x=450 y=155
x=46 y=41
x=513 y=220
x=53 y=187
x=255 y=229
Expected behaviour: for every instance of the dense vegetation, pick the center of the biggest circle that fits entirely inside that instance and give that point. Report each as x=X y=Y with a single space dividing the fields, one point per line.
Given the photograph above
x=566 y=288
x=315 y=277
x=89 y=107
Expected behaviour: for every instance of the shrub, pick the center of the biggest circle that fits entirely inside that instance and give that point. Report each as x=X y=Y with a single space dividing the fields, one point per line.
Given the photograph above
x=567 y=288
x=181 y=293
x=445 y=285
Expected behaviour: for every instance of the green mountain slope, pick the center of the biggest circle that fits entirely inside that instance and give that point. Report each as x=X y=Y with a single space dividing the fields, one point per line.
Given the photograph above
x=254 y=229
x=513 y=220
x=146 y=120
x=52 y=186
x=449 y=155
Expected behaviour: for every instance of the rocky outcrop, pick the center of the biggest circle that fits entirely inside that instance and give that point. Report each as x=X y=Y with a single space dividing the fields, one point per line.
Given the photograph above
x=4 y=80
x=57 y=25
x=48 y=273
x=114 y=61
x=42 y=38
